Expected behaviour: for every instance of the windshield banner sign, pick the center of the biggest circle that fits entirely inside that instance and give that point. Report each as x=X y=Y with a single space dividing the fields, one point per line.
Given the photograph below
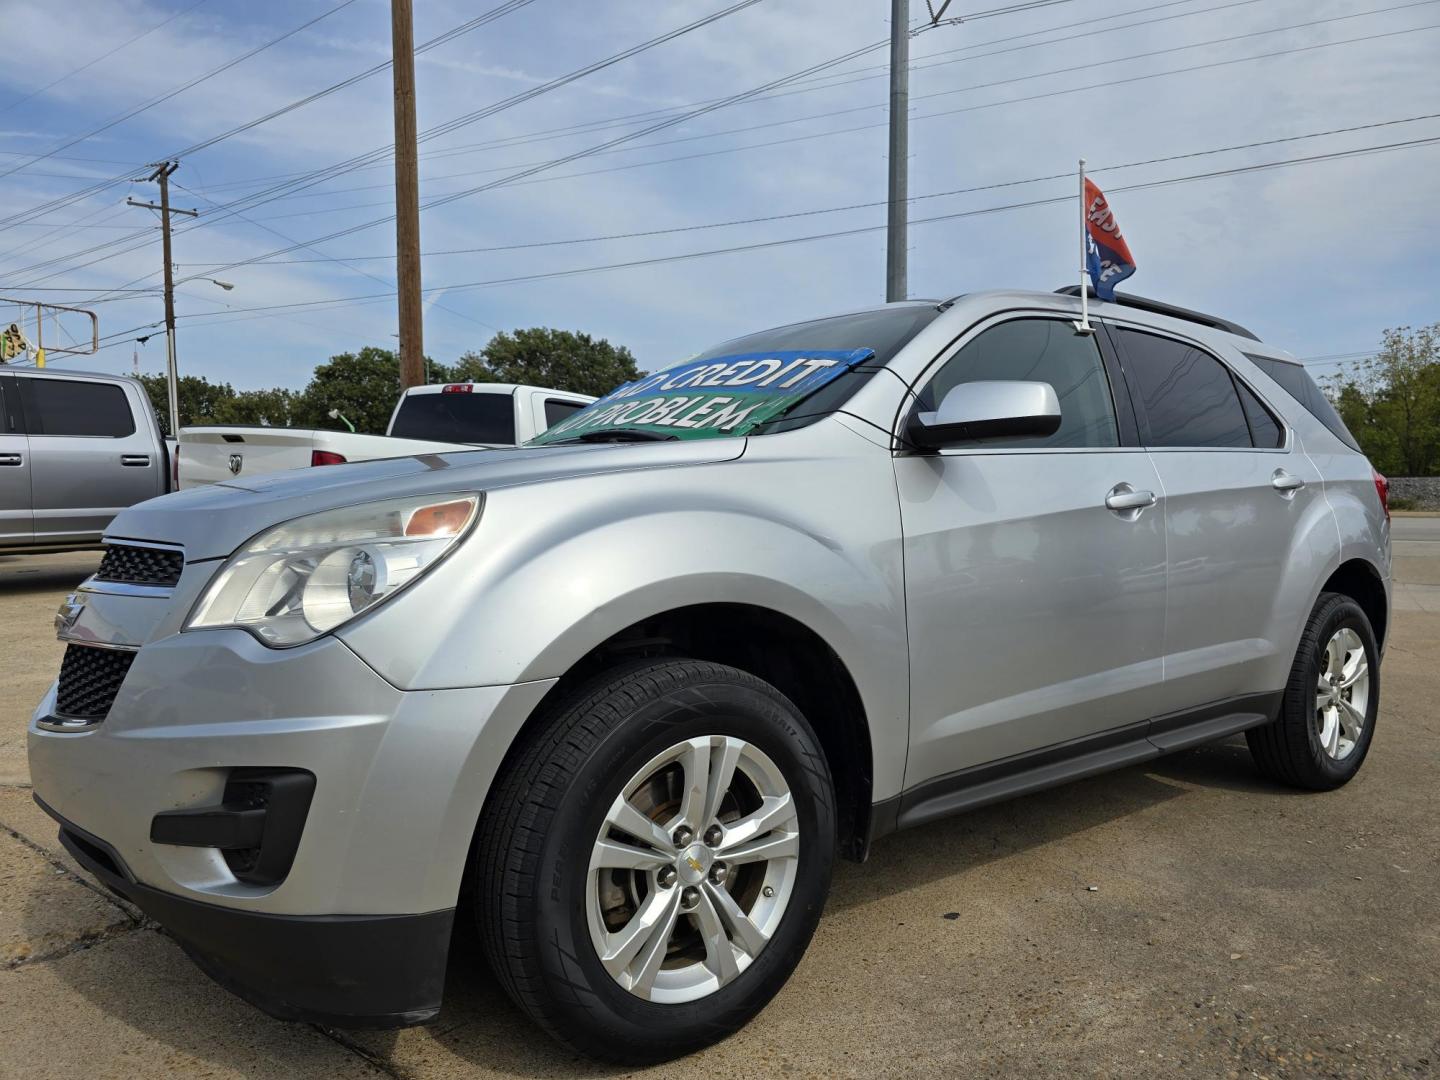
x=723 y=395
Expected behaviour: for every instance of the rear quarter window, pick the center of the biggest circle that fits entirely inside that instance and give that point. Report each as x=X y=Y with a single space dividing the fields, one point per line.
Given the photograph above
x=1296 y=382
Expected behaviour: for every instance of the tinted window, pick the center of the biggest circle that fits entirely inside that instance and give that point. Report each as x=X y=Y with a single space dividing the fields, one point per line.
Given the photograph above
x=1264 y=428
x=1299 y=385
x=1038 y=350
x=65 y=407
x=461 y=417
x=556 y=410
x=1187 y=395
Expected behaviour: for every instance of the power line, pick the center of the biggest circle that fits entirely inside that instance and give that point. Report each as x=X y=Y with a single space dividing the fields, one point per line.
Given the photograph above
x=506 y=103
x=866 y=108
x=144 y=106
x=836 y=234
x=768 y=218
x=103 y=56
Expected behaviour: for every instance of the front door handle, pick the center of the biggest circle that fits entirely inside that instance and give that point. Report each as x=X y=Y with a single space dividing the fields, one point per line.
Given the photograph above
x=11 y=459
x=1124 y=499
x=1285 y=482
x=137 y=460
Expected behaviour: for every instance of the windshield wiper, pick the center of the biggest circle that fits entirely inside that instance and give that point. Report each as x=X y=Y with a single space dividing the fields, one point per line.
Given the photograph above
x=619 y=434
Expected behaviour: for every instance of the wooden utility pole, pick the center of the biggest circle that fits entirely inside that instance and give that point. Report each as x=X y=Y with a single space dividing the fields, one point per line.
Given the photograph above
x=896 y=238
x=172 y=376
x=407 y=198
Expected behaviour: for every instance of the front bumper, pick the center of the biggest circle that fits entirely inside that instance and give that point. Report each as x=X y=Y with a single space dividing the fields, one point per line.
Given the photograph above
x=356 y=931
x=340 y=970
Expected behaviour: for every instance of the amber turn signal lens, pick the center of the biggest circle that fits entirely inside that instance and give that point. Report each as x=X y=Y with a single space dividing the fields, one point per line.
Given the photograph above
x=442 y=519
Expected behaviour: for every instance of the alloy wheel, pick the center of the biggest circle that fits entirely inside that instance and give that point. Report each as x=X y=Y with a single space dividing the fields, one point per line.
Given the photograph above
x=692 y=869
x=1342 y=695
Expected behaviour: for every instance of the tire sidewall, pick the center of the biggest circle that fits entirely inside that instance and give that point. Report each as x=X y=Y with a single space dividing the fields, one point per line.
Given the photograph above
x=1344 y=613
x=705 y=708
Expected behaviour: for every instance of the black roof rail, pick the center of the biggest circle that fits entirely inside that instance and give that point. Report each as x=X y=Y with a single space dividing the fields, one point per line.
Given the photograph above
x=1159 y=307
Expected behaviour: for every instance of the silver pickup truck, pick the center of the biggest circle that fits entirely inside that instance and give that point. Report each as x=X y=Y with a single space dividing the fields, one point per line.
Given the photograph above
x=76 y=448
x=622 y=695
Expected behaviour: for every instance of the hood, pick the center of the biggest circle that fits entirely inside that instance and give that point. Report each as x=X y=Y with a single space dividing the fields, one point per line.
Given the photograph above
x=212 y=521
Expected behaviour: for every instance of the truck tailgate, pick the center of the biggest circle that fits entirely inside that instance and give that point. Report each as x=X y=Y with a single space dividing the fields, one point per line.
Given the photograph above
x=209 y=455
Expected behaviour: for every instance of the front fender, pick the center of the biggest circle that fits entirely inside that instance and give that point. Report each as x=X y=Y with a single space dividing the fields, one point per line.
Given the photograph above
x=556 y=569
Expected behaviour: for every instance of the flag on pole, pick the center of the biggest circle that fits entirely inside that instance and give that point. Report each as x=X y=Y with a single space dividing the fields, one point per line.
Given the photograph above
x=1107 y=256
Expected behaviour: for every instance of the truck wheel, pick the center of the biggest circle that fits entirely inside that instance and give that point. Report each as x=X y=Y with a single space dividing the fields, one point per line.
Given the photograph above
x=1327 y=717
x=651 y=866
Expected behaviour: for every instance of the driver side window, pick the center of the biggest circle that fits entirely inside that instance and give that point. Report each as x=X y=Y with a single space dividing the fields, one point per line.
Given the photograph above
x=1038 y=350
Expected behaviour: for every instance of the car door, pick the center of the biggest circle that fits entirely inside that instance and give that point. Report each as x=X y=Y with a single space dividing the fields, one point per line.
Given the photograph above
x=89 y=458
x=1237 y=488
x=16 y=528
x=1035 y=611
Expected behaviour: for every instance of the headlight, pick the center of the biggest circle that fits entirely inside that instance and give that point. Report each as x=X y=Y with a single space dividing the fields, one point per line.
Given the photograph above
x=304 y=578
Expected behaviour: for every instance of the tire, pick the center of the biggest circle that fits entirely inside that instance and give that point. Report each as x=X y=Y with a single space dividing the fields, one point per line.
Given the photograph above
x=1293 y=749
x=539 y=896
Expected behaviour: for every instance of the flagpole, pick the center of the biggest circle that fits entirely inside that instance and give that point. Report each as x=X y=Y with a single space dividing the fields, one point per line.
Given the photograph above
x=1083 y=326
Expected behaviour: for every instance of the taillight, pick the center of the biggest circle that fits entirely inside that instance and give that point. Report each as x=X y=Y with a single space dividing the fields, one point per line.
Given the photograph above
x=326 y=457
x=1382 y=488
x=175 y=469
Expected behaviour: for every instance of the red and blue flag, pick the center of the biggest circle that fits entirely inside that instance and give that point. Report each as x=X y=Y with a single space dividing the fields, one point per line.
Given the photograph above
x=1107 y=256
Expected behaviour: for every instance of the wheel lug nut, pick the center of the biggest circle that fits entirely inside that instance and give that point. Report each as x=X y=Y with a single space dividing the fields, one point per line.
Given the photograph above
x=683 y=836
x=718 y=873
x=713 y=835
x=690 y=897
x=666 y=877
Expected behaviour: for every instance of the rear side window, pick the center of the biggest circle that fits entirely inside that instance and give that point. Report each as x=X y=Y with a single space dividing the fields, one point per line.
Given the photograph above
x=1037 y=350
x=9 y=408
x=1299 y=385
x=66 y=407
x=457 y=417
x=1187 y=396
x=1268 y=432
x=557 y=410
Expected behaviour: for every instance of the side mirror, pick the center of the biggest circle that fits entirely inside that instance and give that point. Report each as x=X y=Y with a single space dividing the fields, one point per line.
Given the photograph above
x=987 y=410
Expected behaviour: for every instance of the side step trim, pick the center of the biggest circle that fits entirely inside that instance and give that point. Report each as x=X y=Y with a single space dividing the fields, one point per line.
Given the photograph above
x=1073 y=760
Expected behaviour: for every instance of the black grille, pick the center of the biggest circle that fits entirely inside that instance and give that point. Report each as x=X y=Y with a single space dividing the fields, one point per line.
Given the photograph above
x=140 y=565
x=89 y=680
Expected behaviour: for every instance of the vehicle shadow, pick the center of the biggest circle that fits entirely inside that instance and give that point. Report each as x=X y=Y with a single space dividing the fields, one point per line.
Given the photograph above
x=480 y=1029
x=25 y=575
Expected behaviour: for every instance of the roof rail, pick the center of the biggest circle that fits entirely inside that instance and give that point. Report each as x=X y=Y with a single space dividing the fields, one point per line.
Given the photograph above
x=1159 y=307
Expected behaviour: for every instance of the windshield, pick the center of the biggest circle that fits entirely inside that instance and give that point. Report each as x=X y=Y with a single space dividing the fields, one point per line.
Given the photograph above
x=735 y=387
x=460 y=417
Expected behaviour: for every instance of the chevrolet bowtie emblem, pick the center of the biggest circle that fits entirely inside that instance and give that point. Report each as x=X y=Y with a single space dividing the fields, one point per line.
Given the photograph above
x=69 y=613
x=695 y=864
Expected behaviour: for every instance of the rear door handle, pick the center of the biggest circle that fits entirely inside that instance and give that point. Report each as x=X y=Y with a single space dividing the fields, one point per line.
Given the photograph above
x=11 y=459
x=138 y=460
x=1124 y=498
x=1285 y=482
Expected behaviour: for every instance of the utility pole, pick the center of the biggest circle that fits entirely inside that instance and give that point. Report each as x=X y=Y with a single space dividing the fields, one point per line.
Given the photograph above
x=896 y=235
x=161 y=175
x=407 y=197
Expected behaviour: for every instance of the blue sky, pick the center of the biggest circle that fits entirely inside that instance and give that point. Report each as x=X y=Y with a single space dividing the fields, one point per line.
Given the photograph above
x=1318 y=258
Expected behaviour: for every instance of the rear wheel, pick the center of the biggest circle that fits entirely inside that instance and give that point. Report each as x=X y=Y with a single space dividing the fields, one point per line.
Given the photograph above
x=1327 y=717
x=652 y=866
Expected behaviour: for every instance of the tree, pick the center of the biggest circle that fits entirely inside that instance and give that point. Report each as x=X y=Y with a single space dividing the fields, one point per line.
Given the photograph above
x=363 y=386
x=1392 y=402
x=200 y=401
x=558 y=359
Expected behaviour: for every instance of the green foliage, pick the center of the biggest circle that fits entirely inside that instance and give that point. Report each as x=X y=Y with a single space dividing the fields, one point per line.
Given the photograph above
x=364 y=386
x=1392 y=402
x=556 y=359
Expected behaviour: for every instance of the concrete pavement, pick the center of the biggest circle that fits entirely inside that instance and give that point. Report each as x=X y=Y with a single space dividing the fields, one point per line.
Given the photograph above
x=1184 y=918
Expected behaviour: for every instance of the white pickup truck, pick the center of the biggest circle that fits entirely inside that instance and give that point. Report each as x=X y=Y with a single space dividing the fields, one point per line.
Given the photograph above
x=427 y=419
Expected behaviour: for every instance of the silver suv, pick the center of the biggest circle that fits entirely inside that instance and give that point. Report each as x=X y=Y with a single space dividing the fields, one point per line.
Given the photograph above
x=621 y=695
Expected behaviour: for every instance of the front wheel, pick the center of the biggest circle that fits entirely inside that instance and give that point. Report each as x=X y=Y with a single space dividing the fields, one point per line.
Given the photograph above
x=653 y=864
